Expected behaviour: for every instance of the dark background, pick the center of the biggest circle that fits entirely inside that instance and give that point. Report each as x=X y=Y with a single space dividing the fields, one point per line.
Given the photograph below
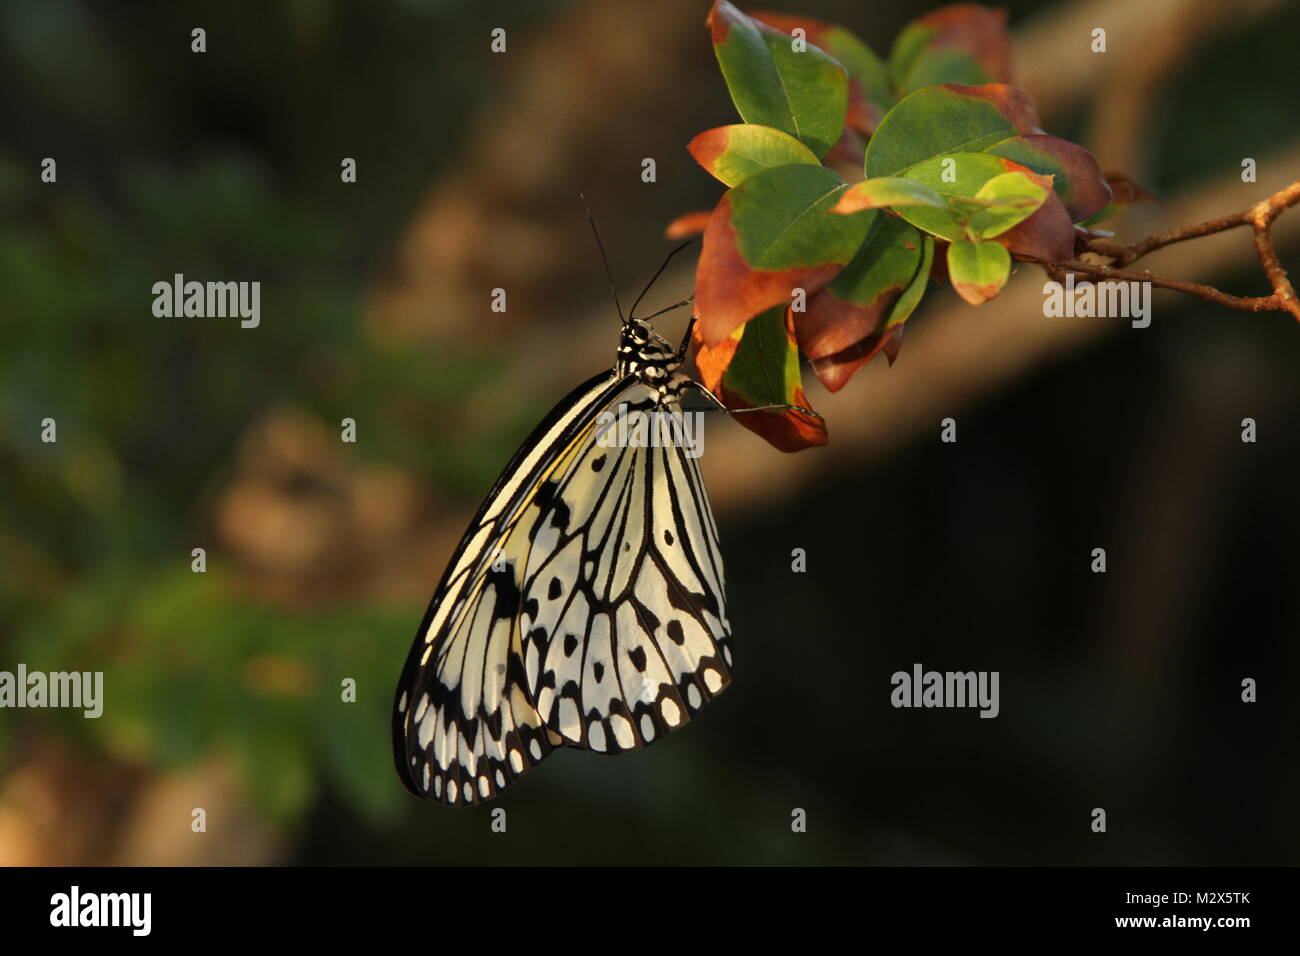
x=1119 y=691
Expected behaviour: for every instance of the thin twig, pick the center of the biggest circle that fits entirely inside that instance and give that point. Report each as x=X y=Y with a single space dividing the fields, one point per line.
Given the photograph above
x=1123 y=255
x=1259 y=217
x=1267 y=303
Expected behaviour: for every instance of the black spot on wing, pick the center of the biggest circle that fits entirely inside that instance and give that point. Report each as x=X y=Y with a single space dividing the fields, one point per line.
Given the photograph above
x=649 y=620
x=560 y=515
x=507 y=592
x=676 y=633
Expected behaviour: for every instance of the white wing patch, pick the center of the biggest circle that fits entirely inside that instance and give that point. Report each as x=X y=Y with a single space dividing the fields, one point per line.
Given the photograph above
x=584 y=608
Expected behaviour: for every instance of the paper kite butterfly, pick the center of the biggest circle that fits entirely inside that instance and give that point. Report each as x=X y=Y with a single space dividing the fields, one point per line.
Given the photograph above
x=584 y=606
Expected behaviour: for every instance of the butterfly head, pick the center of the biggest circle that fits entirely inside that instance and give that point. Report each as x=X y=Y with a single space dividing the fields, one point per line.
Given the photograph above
x=645 y=353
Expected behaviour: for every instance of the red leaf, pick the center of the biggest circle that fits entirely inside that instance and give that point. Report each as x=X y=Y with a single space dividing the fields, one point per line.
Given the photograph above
x=863 y=115
x=1126 y=189
x=1047 y=235
x=846 y=156
x=840 y=337
x=834 y=371
x=791 y=431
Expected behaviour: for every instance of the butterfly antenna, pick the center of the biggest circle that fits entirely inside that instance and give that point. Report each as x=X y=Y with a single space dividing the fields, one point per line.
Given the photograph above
x=654 y=278
x=603 y=258
x=669 y=308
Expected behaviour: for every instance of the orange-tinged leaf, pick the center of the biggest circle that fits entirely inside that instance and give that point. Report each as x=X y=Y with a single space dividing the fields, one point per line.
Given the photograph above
x=964 y=39
x=733 y=153
x=788 y=431
x=887 y=191
x=758 y=365
x=801 y=92
x=711 y=361
x=688 y=224
x=1012 y=102
x=978 y=270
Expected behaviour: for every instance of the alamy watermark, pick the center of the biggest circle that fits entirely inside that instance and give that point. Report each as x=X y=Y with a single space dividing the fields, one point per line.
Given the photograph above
x=1124 y=300
x=178 y=298
x=922 y=688
x=657 y=428
x=75 y=908
x=74 y=689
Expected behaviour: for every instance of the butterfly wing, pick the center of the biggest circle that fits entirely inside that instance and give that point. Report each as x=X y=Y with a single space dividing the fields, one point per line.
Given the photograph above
x=625 y=634
x=463 y=724
x=584 y=607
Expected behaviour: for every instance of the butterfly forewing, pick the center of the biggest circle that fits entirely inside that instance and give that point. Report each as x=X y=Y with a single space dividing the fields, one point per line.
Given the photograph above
x=463 y=724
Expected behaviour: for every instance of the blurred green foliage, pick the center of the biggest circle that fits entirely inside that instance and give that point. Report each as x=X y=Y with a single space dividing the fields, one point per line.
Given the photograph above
x=97 y=530
x=220 y=167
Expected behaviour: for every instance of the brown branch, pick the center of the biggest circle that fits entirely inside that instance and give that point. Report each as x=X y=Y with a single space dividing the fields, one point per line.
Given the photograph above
x=1259 y=217
x=1266 y=303
x=1123 y=255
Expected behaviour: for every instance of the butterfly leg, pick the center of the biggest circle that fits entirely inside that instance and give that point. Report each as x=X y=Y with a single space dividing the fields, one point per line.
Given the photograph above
x=719 y=406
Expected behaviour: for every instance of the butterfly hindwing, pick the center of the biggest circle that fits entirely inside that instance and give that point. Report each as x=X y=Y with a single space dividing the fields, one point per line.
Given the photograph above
x=624 y=620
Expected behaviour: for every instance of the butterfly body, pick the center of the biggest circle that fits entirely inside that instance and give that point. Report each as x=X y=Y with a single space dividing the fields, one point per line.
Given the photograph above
x=584 y=606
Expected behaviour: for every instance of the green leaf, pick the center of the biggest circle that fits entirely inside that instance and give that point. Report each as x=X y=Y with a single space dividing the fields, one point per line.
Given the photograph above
x=946 y=119
x=764 y=370
x=804 y=94
x=911 y=298
x=781 y=221
x=887 y=191
x=959 y=178
x=733 y=153
x=978 y=270
x=768 y=236
x=870 y=87
x=1009 y=200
